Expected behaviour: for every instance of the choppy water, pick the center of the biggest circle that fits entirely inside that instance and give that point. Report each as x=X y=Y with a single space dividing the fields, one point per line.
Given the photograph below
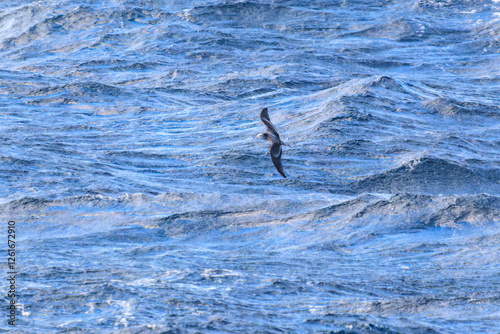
x=145 y=205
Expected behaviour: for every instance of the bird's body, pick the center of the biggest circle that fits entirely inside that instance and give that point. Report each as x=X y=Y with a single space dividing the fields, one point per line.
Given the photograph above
x=272 y=136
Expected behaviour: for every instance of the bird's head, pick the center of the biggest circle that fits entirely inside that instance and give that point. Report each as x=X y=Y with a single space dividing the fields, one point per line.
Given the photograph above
x=263 y=136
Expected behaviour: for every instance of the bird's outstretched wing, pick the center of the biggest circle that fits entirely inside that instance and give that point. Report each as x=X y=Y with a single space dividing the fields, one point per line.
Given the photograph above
x=264 y=116
x=276 y=156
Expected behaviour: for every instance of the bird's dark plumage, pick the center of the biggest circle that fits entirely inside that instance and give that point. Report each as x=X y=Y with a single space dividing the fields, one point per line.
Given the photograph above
x=273 y=137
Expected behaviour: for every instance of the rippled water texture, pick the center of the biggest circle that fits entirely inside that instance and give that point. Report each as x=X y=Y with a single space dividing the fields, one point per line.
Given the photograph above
x=144 y=204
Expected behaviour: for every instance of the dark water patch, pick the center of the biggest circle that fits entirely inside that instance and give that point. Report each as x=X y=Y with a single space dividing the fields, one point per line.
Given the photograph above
x=354 y=147
x=102 y=63
x=203 y=222
x=142 y=16
x=88 y=89
x=451 y=108
x=142 y=66
x=45 y=101
x=25 y=204
x=417 y=211
x=21 y=83
x=244 y=87
x=28 y=204
x=240 y=15
x=342 y=209
x=139 y=155
x=432 y=175
x=16 y=161
x=476 y=210
x=78 y=127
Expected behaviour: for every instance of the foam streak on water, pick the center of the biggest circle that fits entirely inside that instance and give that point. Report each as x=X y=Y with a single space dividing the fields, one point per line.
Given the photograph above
x=144 y=205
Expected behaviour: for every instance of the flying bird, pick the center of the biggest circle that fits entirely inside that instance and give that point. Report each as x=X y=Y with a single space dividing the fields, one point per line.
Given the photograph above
x=272 y=136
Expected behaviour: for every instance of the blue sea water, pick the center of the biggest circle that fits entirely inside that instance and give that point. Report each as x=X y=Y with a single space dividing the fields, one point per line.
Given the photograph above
x=144 y=204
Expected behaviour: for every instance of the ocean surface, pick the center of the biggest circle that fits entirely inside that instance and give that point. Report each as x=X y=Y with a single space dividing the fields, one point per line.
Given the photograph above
x=144 y=204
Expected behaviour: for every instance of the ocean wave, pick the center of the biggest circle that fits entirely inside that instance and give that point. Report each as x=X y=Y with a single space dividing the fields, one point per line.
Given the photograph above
x=29 y=204
x=76 y=93
x=432 y=175
x=45 y=22
x=18 y=21
x=418 y=211
x=453 y=108
x=375 y=87
x=362 y=107
x=83 y=89
x=401 y=30
x=352 y=221
x=240 y=14
x=24 y=204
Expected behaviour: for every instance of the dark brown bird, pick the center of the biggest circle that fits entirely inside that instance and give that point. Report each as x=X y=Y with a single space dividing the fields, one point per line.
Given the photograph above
x=272 y=136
